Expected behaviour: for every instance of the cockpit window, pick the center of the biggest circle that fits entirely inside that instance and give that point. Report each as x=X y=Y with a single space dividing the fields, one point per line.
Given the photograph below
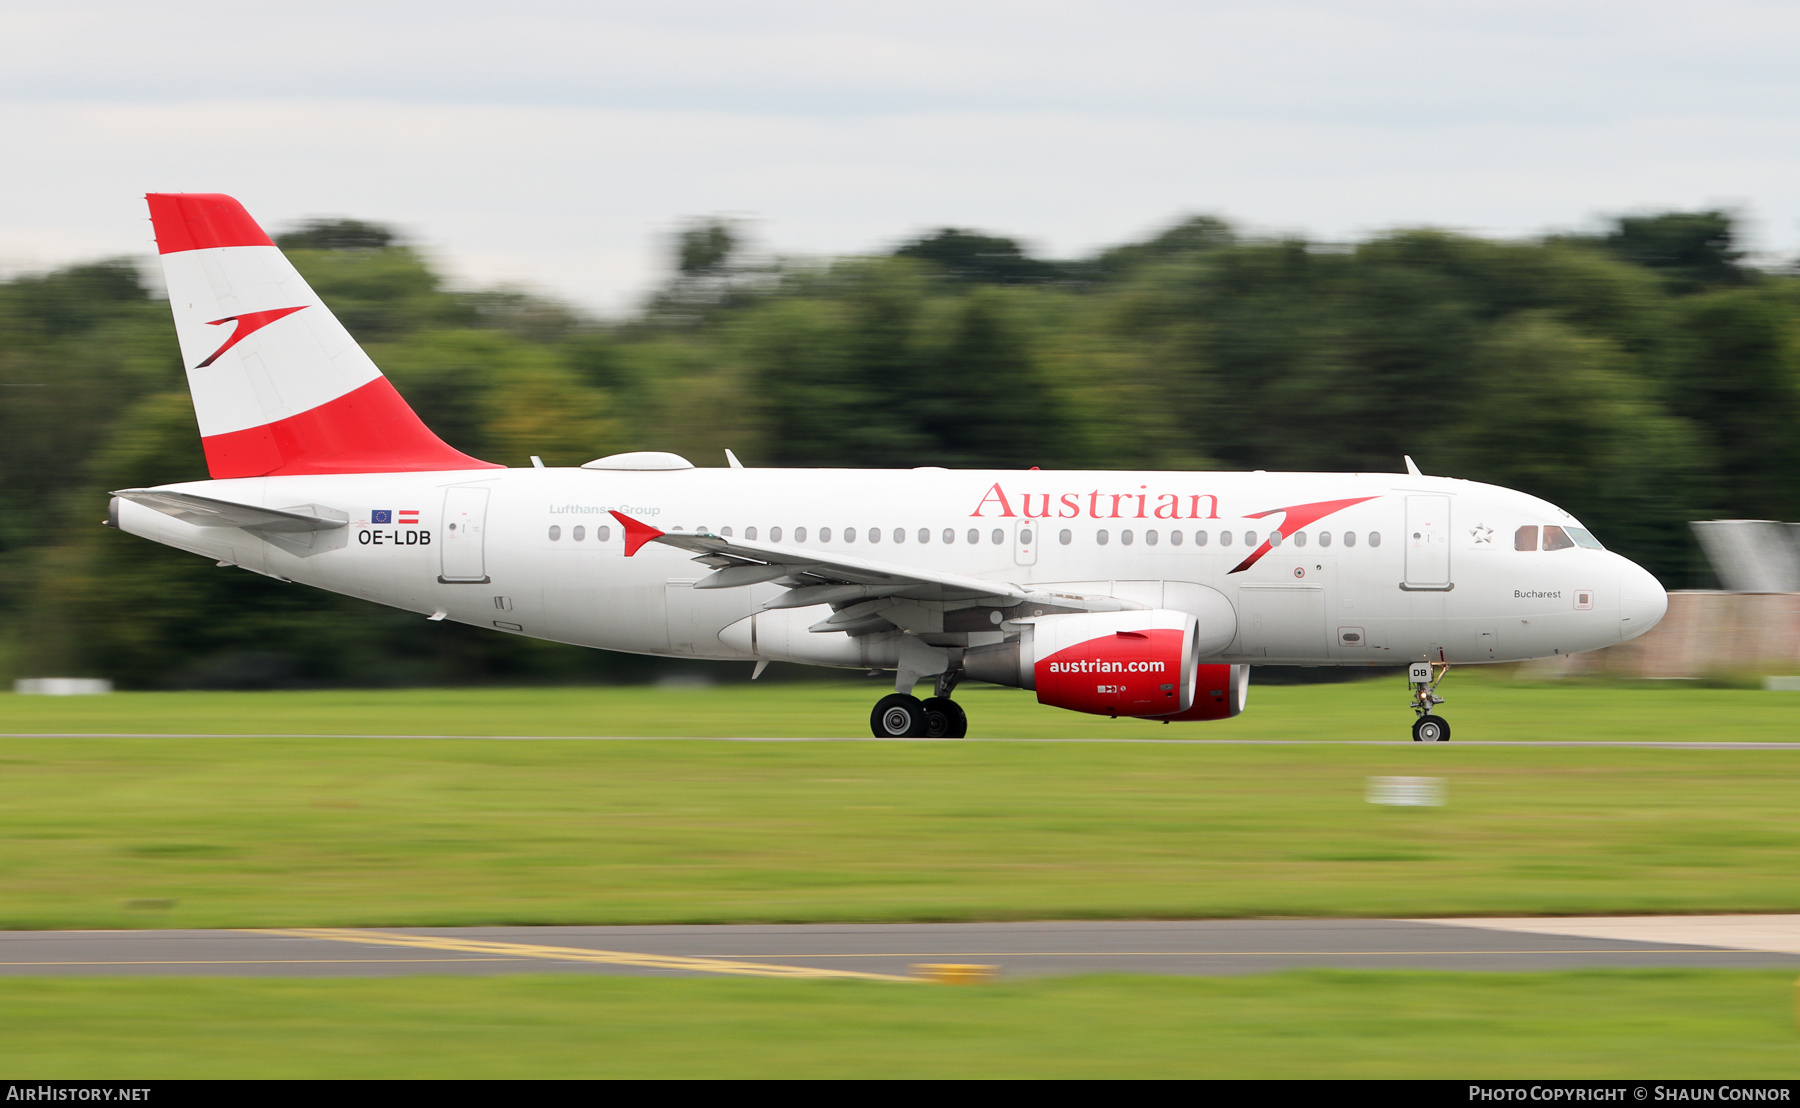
x=1525 y=538
x=1555 y=538
x=1584 y=537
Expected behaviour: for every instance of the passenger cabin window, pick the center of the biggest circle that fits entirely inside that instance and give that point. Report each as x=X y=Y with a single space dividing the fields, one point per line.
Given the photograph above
x=1199 y=538
x=899 y=534
x=874 y=534
x=849 y=534
x=774 y=534
x=799 y=534
x=1324 y=538
x=824 y=534
x=1555 y=538
x=1300 y=538
x=1374 y=538
x=578 y=533
x=1100 y=536
x=1065 y=536
x=1224 y=538
x=602 y=534
x=1125 y=537
x=724 y=532
x=1249 y=538
x=924 y=534
x=1349 y=538
x=555 y=532
x=1274 y=539
x=1525 y=538
x=949 y=536
x=750 y=533
x=1149 y=538
x=998 y=536
x=974 y=536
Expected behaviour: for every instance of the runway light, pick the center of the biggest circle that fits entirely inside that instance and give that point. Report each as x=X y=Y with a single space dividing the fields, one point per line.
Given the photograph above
x=955 y=973
x=1406 y=792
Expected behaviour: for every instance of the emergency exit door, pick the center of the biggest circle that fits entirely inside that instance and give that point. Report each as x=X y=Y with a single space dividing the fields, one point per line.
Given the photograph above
x=1427 y=542
x=464 y=538
x=1027 y=534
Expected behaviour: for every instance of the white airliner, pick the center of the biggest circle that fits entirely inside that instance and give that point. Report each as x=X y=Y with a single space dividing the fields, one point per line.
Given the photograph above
x=1142 y=594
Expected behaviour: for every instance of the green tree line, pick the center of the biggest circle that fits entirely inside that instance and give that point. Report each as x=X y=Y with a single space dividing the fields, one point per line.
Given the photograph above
x=1642 y=378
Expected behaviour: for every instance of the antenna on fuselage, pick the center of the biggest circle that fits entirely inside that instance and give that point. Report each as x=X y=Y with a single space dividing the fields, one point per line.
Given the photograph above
x=732 y=458
x=1412 y=467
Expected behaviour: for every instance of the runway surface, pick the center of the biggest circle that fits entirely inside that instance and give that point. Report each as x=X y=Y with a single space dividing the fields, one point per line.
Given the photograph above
x=893 y=951
x=1401 y=742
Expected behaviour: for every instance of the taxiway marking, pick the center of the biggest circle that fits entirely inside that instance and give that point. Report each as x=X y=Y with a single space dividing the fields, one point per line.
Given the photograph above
x=575 y=954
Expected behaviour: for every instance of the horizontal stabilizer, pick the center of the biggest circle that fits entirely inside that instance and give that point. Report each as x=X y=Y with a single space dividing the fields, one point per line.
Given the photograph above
x=204 y=511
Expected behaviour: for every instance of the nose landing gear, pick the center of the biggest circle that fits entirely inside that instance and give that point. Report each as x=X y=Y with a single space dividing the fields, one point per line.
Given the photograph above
x=1428 y=728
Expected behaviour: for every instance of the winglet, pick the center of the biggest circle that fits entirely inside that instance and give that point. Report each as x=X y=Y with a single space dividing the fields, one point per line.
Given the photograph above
x=1412 y=467
x=636 y=533
x=733 y=459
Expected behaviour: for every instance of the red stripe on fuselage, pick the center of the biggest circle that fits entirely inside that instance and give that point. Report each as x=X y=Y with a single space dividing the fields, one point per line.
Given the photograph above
x=201 y=221
x=366 y=430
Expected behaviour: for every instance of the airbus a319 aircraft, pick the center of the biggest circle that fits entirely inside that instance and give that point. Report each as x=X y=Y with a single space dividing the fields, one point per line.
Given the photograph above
x=1136 y=594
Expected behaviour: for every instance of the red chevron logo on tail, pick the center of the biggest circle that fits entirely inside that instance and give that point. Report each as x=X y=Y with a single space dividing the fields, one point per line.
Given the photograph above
x=247 y=324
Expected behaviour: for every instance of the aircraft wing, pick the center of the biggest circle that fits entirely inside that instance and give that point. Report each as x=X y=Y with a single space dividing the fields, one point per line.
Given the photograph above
x=862 y=592
x=204 y=511
x=815 y=576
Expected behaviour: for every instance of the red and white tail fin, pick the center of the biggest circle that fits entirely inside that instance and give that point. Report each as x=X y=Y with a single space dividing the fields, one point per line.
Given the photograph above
x=279 y=386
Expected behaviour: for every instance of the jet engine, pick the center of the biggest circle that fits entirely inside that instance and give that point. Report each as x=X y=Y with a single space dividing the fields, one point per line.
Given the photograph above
x=1220 y=692
x=1138 y=663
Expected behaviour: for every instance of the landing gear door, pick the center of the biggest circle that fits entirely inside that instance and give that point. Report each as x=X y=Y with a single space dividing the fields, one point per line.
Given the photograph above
x=1427 y=542
x=1026 y=535
x=464 y=543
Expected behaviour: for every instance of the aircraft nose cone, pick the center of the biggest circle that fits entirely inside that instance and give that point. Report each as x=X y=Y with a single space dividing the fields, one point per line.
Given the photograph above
x=1642 y=600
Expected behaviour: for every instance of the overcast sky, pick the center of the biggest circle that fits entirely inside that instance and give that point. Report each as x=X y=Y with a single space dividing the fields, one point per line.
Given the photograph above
x=557 y=144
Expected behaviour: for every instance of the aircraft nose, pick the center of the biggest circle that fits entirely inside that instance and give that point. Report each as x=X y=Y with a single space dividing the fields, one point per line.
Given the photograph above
x=1642 y=600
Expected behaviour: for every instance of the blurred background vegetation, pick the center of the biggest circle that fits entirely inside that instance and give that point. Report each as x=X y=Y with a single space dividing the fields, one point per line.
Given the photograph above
x=1641 y=378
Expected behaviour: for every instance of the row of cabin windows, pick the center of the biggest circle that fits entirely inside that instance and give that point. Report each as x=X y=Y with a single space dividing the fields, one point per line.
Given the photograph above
x=997 y=536
x=1176 y=538
x=1555 y=538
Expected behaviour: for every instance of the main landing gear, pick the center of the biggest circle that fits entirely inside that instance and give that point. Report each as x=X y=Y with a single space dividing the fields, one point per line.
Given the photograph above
x=1428 y=728
x=905 y=716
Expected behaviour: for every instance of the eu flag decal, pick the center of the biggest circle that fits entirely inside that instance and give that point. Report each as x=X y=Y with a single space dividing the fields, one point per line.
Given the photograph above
x=381 y=515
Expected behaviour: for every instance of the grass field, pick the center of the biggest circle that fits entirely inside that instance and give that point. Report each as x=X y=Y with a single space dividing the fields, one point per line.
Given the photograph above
x=1665 y=1024
x=329 y=829
x=1483 y=705
x=234 y=832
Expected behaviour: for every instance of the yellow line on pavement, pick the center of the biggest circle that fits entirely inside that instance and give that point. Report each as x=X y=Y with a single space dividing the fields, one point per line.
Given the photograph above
x=572 y=954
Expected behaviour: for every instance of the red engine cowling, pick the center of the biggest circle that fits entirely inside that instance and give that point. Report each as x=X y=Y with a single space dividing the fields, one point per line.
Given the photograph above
x=1220 y=692
x=1116 y=663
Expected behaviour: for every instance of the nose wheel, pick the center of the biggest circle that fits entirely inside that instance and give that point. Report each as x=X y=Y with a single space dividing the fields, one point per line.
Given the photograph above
x=1422 y=680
